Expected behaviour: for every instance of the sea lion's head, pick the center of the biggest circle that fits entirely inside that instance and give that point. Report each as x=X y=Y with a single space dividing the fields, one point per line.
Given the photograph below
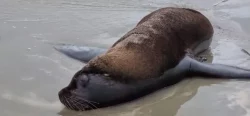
x=88 y=91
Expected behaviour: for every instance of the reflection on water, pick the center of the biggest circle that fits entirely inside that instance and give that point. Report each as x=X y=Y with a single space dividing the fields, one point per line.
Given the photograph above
x=32 y=72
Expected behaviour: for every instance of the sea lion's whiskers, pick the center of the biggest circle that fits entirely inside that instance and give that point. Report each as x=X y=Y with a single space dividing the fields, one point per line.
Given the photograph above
x=86 y=101
x=68 y=103
x=74 y=103
x=82 y=105
x=64 y=101
x=79 y=106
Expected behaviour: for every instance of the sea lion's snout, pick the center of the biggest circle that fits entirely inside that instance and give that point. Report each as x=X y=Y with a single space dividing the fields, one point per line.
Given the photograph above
x=90 y=91
x=75 y=95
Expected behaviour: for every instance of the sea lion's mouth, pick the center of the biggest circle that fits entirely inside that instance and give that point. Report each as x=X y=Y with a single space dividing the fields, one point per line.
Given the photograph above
x=71 y=100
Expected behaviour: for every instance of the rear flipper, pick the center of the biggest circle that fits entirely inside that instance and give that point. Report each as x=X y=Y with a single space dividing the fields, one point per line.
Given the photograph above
x=208 y=70
x=80 y=53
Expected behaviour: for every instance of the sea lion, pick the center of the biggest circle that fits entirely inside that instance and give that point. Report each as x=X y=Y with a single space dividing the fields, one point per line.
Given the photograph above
x=158 y=52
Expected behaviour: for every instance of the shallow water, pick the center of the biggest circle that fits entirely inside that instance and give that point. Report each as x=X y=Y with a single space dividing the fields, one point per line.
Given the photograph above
x=32 y=72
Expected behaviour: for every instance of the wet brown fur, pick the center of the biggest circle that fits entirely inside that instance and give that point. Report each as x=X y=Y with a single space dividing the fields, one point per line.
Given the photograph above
x=157 y=43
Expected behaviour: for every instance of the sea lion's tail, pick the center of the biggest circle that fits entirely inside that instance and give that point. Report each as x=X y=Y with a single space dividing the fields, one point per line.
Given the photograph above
x=208 y=70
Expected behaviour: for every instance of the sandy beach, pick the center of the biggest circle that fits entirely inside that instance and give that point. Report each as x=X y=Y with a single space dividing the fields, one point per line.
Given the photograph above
x=32 y=72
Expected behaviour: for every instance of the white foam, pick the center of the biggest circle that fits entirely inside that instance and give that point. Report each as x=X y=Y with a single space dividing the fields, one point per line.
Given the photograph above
x=27 y=78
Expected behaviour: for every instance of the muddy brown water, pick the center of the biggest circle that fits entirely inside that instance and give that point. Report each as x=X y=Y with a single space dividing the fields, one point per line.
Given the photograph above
x=32 y=72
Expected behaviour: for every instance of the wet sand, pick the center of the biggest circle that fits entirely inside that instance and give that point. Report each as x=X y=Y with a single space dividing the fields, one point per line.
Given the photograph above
x=32 y=72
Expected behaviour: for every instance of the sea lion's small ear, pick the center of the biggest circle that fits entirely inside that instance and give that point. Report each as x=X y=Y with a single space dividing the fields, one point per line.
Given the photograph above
x=80 y=53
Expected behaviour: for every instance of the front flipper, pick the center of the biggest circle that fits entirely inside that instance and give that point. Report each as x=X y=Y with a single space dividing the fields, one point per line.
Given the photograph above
x=80 y=53
x=208 y=70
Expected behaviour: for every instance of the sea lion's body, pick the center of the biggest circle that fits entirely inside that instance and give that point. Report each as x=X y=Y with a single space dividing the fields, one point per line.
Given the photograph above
x=153 y=55
x=158 y=42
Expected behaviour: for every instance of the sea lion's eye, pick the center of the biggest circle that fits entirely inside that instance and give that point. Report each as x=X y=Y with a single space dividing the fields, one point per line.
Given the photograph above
x=83 y=79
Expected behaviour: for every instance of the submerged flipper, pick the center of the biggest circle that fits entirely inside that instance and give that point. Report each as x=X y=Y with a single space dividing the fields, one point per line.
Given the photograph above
x=80 y=53
x=209 y=70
